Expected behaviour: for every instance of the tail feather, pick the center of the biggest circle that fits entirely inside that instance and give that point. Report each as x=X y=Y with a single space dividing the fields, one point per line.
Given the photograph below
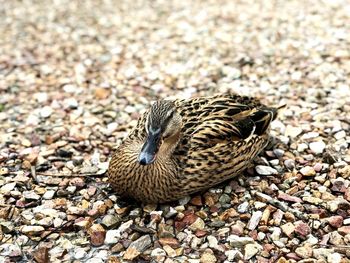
x=263 y=117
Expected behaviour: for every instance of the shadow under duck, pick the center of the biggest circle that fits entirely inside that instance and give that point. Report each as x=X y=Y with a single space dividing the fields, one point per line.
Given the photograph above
x=184 y=146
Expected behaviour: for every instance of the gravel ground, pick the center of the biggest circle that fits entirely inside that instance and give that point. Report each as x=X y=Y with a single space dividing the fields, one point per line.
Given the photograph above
x=74 y=78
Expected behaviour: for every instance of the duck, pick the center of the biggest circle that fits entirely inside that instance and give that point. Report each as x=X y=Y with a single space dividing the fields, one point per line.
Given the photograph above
x=183 y=146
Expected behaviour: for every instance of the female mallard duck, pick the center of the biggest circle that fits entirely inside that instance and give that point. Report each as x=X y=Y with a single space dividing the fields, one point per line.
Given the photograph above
x=184 y=146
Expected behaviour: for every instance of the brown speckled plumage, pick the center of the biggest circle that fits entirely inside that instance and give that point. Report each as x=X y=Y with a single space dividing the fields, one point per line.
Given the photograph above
x=197 y=143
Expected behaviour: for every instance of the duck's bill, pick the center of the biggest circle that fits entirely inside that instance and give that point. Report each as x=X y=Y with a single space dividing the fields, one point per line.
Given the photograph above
x=149 y=150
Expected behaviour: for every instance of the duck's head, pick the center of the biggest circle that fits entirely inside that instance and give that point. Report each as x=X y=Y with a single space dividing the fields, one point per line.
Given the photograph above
x=163 y=125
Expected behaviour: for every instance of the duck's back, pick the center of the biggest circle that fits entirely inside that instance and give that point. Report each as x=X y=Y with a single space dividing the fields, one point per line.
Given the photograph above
x=220 y=137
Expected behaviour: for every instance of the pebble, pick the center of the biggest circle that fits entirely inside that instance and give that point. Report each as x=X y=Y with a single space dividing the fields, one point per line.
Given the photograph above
x=289 y=164
x=158 y=252
x=79 y=253
x=97 y=235
x=112 y=237
x=7 y=188
x=335 y=221
x=213 y=242
x=32 y=230
x=46 y=112
x=137 y=247
x=208 y=257
x=302 y=228
x=340 y=135
x=48 y=195
x=344 y=230
x=31 y=195
x=304 y=252
x=233 y=255
x=265 y=170
x=243 y=208
x=111 y=221
x=288 y=229
x=236 y=241
x=334 y=258
x=250 y=250
x=197 y=225
x=308 y=171
x=254 y=220
x=292 y=131
x=317 y=147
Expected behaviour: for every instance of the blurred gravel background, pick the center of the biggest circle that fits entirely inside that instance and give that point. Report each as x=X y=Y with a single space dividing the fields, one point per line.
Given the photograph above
x=76 y=75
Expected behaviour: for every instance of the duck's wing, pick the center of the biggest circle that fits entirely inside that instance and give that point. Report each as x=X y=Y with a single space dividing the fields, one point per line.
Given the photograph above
x=224 y=120
x=222 y=143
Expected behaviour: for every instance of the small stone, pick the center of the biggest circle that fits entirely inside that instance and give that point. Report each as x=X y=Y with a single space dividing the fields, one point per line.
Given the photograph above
x=165 y=231
x=346 y=221
x=278 y=152
x=112 y=237
x=170 y=251
x=336 y=238
x=208 y=257
x=302 y=228
x=111 y=221
x=335 y=221
x=225 y=199
x=334 y=258
x=32 y=230
x=318 y=167
x=184 y=200
x=237 y=229
x=344 y=230
x=31 y=195
x=312 y=240
x=317 y=147
x=292 y=131
x=79 y=253
x=313 y=200
x=344 y=172
x=198 y=224
x=49 y=194
x=117 y=248
x=243 y=208
x=340 y=135
x=277 y=217
x=131 y=253
x=289 y=164
x=46 y=112
x=288 y=198
x=276 y=234
x=236 y=241
x=137 y=247
x=321 y=253
x=173 y=242
x=307 y=171
x=213 y=242
x=7 y=188
x=97 y=234
x=197 y=200
x=250 y=250
x=288 y=229
x=233 y=255
x=102 y=93
x=265 y=170
x=334 y=205
x=158 y=252
x=304 y=252
x=302 y=147
x=254 y=220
